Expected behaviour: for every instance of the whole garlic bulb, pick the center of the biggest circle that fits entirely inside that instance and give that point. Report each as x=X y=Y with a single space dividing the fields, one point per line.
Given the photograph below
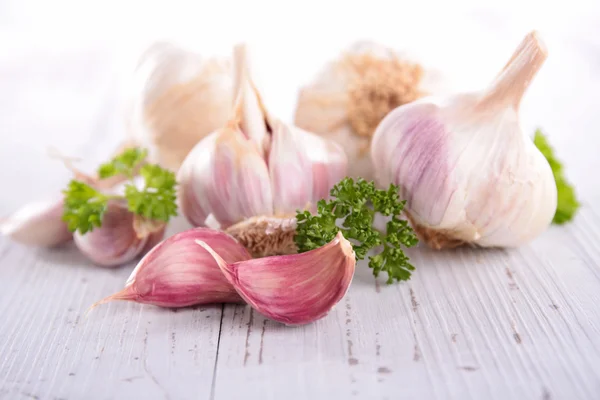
x=352 y=94
x=466 y=169
x=178 y=98
x=256 y=166
x=117 y=241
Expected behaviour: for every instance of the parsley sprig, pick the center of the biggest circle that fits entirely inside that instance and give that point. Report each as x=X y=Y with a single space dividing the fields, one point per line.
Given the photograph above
x=356 y=203
x=84 y=205
x=567 y=204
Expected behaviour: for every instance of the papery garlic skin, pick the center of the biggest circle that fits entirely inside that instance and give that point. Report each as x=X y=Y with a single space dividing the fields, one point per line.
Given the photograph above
x=38 y=224
x=256 y=166
x=116 y=241
x=466 y=169
x=179 y=273
x=351 y=94
x=178 y=98
x=294 y=289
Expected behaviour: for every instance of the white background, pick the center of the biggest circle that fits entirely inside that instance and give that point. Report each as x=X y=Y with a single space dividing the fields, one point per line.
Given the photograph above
x=62 y=61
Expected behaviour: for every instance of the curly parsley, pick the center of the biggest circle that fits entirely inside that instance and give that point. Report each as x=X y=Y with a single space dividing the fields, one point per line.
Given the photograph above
x=357 y=204
x=84 y=205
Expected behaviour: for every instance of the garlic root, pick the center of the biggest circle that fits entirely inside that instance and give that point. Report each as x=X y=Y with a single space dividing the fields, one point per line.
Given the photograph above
x=266 y=236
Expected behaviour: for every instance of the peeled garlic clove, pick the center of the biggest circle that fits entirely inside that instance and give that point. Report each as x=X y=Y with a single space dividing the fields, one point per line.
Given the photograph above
x=179 y=273
x=353 y=93
x=294 y=289
x=115 y=242
x=38 y=224
x=178 y=97
x=466 y=169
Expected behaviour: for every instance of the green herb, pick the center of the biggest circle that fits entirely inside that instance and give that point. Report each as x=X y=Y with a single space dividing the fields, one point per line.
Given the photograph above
x=357 y=204
x=123 y=164
x=567 y=204
x=84 y=206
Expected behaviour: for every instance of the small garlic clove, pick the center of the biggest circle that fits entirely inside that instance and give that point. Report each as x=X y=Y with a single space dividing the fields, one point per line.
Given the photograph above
x=179 y=273
x=177 y=97
x=294 y=289
x=38 y=224
x=194 y=181
x=115 y=242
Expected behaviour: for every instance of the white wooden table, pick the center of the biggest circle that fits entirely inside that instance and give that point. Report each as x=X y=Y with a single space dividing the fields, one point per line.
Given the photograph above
x=514 y=324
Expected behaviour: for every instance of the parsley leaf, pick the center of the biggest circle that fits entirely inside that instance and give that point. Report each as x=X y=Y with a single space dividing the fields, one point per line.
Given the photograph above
x=157 y=201
x=567 y=204
x=84 y=207
x=357 y=204
x=123 y=164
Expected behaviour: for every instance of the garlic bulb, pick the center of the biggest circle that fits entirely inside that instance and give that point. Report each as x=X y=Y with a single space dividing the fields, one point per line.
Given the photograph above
x=116 y=242
x=293 y=289
x=178 y=98
x=256 y=166
x=179 y=273
x=352 y=94
x=466 y=169
x=38 y=224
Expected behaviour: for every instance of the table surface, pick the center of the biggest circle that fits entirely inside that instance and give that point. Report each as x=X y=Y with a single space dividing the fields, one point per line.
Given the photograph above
x=500 y=324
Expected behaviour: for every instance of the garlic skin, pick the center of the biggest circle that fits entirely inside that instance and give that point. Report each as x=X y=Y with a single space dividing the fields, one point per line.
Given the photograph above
x=293 y=289
x=466 y=169
x=179 y=273
x=116 y=242
x=178 y=97
x=38 y=224
x=256 y=166
x=352 y=94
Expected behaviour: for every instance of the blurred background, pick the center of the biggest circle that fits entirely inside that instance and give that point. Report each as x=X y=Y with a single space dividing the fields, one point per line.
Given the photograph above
x=65 y=64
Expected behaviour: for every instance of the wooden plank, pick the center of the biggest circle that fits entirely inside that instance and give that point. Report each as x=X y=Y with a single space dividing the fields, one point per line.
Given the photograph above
x=50 y=349
x=498 y=324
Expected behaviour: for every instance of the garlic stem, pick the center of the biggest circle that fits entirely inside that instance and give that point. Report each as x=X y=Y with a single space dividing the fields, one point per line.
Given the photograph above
x=514 y=79
x=249 y=109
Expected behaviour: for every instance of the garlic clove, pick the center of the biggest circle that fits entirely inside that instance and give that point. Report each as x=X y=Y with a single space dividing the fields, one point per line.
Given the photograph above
x=115 y=242
x=329 y=162
x=177 y=98
x=351 y=95
x=38 y=224
x=179 y=273
x=293 y=289
x=240 y=180
x=288 y=166
x=466 y=169
x=266 y=236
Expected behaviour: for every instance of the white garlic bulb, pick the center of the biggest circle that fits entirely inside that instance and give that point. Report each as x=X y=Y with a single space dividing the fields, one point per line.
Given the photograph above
x=256 y=166
x=466 y=169
x=178 y=97
x=352 y=94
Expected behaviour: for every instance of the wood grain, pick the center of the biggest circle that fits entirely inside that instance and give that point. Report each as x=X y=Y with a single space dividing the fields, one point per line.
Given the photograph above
x=471 y=324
